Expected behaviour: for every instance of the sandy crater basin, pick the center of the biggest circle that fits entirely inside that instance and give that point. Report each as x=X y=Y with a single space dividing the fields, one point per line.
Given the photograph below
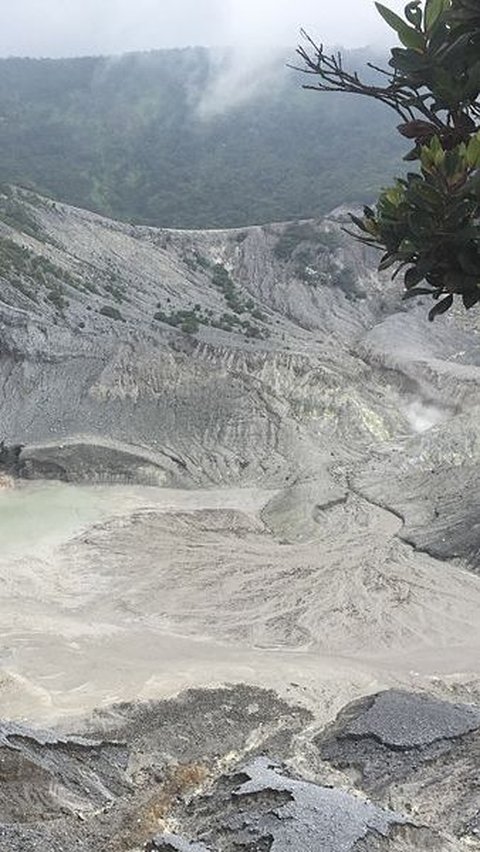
x=110 y=594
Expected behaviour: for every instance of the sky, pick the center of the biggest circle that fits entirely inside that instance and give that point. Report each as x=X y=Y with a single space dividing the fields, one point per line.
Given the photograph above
x=85 y=27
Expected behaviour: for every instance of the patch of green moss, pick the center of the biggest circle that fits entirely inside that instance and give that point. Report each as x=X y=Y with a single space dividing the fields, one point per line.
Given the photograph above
x=223 y=281
x=29 y=273
x=112 y=313
x=14 y=214
x=190 y=321
x=187 y=321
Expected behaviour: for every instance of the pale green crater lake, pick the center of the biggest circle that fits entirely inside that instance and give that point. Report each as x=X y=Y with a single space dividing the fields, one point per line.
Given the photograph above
x=34 y=516
x=37 y=516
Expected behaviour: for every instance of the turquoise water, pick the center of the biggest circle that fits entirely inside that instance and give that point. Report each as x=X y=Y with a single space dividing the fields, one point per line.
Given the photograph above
x=38 y=515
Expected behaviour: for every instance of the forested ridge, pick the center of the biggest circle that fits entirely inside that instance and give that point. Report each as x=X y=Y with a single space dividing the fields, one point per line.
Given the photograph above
x=125 y=137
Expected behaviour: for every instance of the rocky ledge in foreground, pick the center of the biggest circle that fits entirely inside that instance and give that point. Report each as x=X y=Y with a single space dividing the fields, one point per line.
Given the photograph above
x=224 y=769
x=261 y=806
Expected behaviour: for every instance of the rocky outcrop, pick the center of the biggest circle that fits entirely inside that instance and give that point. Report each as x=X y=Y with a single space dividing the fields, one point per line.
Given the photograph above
x=414 y=757
x=10 y=463
x=262 y=806
x=225 y=356
x=97 y=461
x=214 y=771
x=399 y=747
x=269 y=354
x=111 y=787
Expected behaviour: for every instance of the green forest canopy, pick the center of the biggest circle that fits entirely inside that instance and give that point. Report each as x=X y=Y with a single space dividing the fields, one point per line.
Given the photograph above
x=124 y=137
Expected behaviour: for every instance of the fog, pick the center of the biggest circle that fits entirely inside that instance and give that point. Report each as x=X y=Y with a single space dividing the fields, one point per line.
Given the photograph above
x=81 y=27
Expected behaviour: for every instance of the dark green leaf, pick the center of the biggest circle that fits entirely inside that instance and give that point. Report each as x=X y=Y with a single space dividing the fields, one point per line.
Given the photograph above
x=414 y=14
x=471 y=298
x=469 y=259
x=441 y=308
x=387 y=261
x=433 y=10
x=409 y=36
x=413 y=277
x=359 y=223
x=414 y=154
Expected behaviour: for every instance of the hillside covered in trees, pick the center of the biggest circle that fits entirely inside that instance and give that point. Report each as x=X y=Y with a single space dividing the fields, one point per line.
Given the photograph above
x=127 y=137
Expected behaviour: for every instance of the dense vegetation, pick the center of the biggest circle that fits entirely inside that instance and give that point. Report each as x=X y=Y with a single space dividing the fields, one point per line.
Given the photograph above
x=428 y=224
x=124 y=137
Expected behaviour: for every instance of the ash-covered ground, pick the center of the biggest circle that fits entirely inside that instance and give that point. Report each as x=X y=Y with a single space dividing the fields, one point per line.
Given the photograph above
x=239 y=587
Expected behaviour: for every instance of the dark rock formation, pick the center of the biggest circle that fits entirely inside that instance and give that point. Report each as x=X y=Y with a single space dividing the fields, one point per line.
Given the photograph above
x=10 y=459
x=262 y=808
x=77 y=461
x=419 y=752
x=135 y=768
x=108 y=789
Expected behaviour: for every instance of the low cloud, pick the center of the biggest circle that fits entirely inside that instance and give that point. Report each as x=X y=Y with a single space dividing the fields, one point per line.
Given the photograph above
x=79 y=27
x=237 y=76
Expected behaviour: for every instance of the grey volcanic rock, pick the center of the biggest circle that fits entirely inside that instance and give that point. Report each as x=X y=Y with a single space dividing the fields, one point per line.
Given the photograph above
x=107 y=790
x=400 y=747
x=271 y=810
x=209 y=763
x=430 y=480
x=77 y=461
x=402 y=720
x=445 y=521
x=317 y=381
x=93 y=349
x=316 y=385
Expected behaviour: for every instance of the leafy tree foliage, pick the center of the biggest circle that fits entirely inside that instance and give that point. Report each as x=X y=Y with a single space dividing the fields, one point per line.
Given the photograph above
x=428 y=223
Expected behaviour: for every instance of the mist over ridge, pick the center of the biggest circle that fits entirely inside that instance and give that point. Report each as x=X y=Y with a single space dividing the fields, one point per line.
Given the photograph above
x=189 y=138
x=59 y=28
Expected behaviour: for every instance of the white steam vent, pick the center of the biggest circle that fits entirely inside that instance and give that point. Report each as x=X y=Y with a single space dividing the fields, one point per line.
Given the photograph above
x=424 y=415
